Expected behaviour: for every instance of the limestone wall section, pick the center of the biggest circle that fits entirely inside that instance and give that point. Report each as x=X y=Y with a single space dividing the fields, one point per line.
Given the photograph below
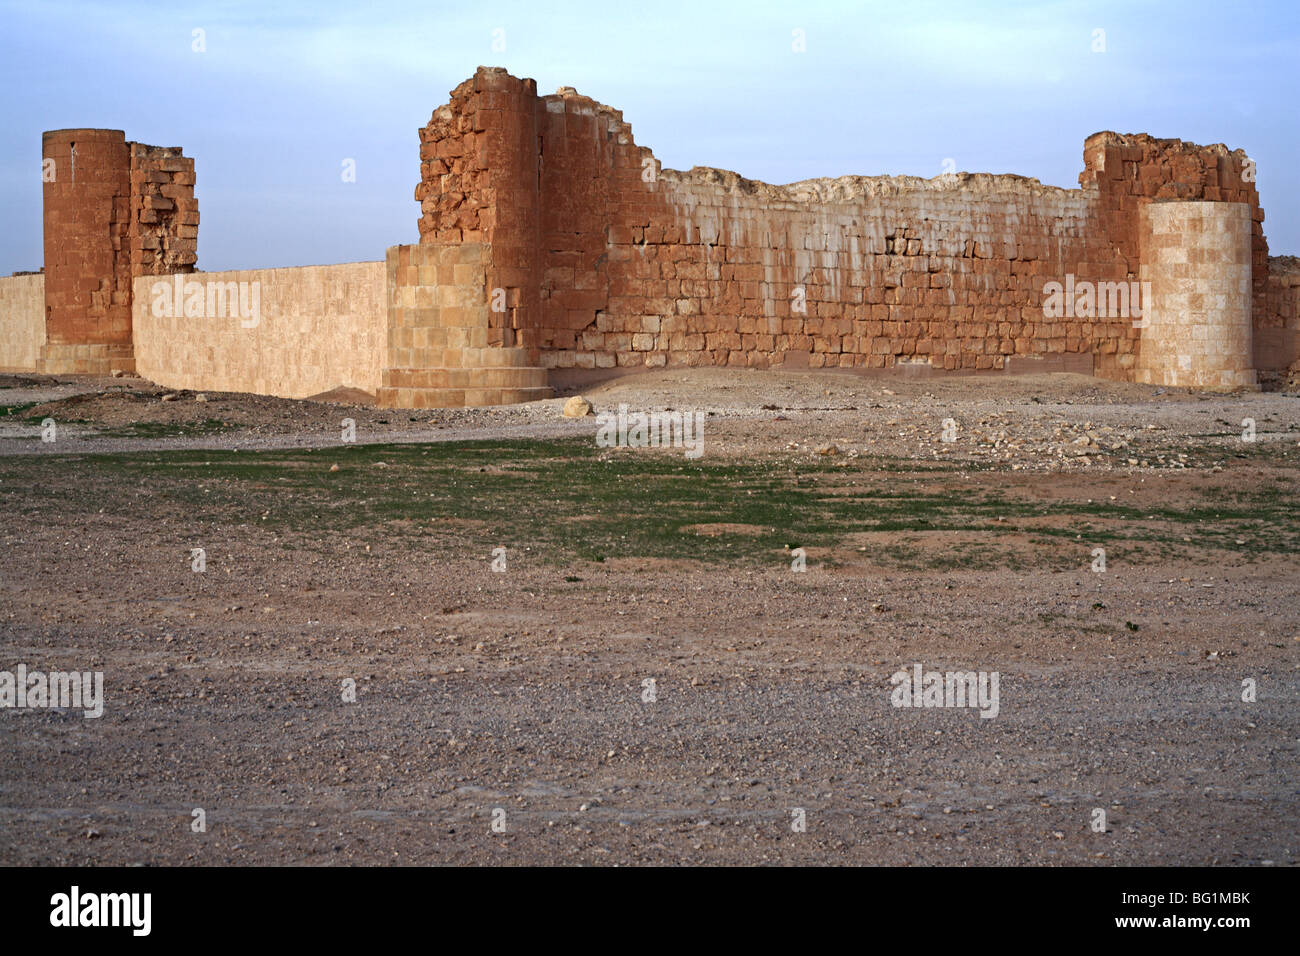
x=440 y=350
x=1197 y=332
x=291 y=333
x=22 y=322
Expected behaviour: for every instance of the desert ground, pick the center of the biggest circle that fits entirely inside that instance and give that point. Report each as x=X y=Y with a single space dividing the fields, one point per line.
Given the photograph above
x=645 y=677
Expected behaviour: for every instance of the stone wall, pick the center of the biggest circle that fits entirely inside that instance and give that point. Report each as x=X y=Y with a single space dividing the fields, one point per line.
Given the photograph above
x=1196 y=331
x=440 y=349
x=87 y=210
x=293 y=333
x=606 y=260
x=113 y=211
x=164 y=224
x=553 y=248
x=1134 y=170
x=22 y=322
x=1277 y=329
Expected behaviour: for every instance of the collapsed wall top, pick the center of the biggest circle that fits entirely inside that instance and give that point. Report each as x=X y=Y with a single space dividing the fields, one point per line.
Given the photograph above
x=604 y=259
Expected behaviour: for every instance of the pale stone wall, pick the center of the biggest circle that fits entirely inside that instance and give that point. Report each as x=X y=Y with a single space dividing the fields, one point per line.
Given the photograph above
x=441 y=351
x=22 y=322
x=1197 y=331
x=302 y=331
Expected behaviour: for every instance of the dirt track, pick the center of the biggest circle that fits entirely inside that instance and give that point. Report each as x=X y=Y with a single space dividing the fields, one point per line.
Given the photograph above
x=525 y=691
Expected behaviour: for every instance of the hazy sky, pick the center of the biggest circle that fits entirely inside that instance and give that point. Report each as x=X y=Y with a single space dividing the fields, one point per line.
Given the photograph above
x=286 y=92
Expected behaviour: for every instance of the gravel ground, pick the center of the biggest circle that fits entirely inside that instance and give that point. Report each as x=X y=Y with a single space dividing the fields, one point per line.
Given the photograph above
x=1037 y=423
x=648 y=709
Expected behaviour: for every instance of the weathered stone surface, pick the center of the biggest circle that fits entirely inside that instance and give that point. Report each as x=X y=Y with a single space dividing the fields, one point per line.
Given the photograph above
x=609 y=260
x=552 y=247
x=292 y=333
x=114 y=210
x=1196 y=331
x=577 y=407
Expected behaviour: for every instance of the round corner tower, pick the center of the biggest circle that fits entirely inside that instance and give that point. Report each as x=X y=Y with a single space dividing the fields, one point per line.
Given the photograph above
x=1196 y=330
x=86 y=176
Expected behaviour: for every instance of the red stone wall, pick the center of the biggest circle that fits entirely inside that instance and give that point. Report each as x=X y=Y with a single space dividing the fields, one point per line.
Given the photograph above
x=607 y=260
x=1281 y=309
x=87 y=216
x=1131 y=170
x=1277 y=328
x=479 y=180
x=113 y=210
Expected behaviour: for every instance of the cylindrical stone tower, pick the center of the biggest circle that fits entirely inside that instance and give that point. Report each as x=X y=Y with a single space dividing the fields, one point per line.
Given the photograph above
x=86 y=177
x=1196 y=329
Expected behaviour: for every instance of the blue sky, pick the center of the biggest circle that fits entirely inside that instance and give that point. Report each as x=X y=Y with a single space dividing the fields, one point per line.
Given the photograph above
x=285 y=92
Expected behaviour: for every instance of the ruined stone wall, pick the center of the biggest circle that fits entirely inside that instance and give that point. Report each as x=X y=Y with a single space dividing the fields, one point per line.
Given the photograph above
x=1131 y=171
x=552 y=246
x=479 y=183
x=1281 y=308
x=1277 y=329
x=293 y=333
x=22 y=322
x=439 y=349
x=164 y=223
x=851 y=273
x=639 y=266
x=113 y=211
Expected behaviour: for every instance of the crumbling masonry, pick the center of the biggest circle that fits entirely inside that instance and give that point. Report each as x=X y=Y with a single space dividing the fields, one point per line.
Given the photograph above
x=113 y=211
x=553 y=249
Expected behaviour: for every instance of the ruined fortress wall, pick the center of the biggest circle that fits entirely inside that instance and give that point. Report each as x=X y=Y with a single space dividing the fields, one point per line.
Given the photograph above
x=847 y=274
x=113 y=211
x=163 y=231
x=639 y=266
x=552 y=247
x=22 y=322
x=1132 y=171
x=480 y=183
x=301 y=332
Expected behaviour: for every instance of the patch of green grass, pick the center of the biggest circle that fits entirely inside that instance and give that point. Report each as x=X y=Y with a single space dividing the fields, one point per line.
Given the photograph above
x=14 y=413
x=567 y=499
x=208 y=426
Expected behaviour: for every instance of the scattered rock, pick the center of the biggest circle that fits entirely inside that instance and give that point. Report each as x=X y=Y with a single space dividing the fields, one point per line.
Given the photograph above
x=577 y=407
